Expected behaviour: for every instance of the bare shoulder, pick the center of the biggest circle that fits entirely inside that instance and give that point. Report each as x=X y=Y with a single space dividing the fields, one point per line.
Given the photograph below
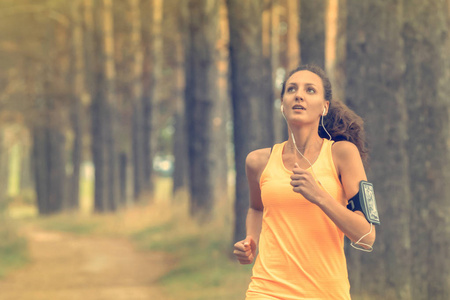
x=347 y=158
x=256 y=161
x=343 y=150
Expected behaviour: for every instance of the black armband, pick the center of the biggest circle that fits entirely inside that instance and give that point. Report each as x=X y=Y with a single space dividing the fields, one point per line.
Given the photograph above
x=364 y=201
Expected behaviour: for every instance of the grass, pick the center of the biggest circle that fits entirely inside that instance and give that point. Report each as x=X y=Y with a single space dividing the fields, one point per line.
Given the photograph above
x=202 y=254
x=204 y=265
x=13 y=248
x=69 y=223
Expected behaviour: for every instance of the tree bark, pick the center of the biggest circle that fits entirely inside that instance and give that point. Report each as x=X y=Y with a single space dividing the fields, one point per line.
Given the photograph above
x=48 y=137
x=180 y=148
x=148 y=84
x=49 y=164
x=4 y=170
x=103 y=113
x=40 y=170
x=336 y=45
x=78 y=92
x=292 y=59
x=222 y=109
x=110 y=107
x=136 y=73
x=375 y=90
x=272 y=66
x=312 y=32
x=249 y=87
x=94 y=64
x=427 y=76
x=201 y=89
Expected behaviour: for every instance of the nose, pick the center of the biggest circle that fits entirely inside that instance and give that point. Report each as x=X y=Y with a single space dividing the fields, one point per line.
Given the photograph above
x=299 y=96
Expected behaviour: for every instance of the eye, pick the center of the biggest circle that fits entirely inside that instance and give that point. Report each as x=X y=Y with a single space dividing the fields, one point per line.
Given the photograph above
x=310 y=90
x=291 y=89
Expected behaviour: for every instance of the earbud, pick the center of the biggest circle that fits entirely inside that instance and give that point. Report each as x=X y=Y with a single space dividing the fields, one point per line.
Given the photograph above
x=282 y=112
x=324 y=111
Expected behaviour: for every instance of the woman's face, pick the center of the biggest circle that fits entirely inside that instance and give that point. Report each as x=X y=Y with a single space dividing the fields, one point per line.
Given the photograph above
x=304 y=99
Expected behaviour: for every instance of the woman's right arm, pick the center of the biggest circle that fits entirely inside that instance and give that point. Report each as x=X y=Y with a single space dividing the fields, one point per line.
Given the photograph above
x=255 y=163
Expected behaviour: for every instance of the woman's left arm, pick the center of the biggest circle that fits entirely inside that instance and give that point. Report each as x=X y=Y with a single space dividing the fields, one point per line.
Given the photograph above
x=351 y=171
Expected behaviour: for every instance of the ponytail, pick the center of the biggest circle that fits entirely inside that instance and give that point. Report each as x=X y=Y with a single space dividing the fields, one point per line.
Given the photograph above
x=344 y=124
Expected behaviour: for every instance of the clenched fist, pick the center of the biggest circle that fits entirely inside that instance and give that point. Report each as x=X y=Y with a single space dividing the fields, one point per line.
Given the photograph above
x=245 y=250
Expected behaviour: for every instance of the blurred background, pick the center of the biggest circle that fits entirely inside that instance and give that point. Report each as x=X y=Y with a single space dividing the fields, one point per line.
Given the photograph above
x=130 y=120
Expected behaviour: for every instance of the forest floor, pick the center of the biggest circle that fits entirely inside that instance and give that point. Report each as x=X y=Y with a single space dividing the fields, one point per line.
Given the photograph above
x=150 y=250
x=67 y=266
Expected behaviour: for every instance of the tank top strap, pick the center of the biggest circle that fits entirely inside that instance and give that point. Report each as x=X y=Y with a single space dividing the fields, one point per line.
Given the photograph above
x=274 y=167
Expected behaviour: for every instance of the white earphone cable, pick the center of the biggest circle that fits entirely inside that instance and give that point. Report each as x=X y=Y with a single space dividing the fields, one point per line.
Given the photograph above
x=321 y=120
x=357 y=245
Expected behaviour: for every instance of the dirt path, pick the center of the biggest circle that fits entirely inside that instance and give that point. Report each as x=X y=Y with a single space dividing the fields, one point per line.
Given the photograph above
x=70 y=267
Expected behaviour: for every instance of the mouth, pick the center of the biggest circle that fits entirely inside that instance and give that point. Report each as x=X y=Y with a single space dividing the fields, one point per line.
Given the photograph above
x=298 y=107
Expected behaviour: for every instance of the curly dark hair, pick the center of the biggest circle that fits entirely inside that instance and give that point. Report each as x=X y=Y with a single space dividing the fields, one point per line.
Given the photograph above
x=341 y=122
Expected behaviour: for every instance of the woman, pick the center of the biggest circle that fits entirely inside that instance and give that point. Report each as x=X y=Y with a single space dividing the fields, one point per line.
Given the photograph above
x=298 y=195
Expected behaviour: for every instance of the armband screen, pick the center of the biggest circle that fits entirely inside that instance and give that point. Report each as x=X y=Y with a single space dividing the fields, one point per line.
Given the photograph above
x=364 y=201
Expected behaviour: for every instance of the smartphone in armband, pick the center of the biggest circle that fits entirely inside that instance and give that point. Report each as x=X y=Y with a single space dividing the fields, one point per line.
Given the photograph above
x=364 y=201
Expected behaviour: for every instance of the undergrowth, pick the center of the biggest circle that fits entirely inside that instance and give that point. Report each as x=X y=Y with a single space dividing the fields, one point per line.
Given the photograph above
x=205 y=268
x=203 y=265
x=13 y=248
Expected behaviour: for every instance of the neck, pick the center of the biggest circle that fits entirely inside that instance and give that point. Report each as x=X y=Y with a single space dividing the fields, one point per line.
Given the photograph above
x=306 y=139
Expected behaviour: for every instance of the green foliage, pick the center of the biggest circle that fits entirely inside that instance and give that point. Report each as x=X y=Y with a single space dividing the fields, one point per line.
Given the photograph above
x=70 y=224
x=13 y=248
x=204 y=264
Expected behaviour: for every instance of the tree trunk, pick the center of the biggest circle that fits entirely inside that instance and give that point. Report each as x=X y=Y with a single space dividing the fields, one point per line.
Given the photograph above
x=48 y=137
x=290 y=60
x=312 y=32
x=222 y=110
x=181 y=160
x=336 y=45
x=4 y=170
x=180 y=148
x=89 y=54
x=427 y=76
x=201 y=89
x=148 y=78
x=78 y=92
x=103 y=113
x=249 y=87
x=94 y=76
x=49 y=165
x=136 y=71
x=100 y=202
x=292 y=57
x=40 y=169
x=56 y=168
x=26 y=176
x=110 y=105
x=272 y=66
x=123 y=166
x=375 y=90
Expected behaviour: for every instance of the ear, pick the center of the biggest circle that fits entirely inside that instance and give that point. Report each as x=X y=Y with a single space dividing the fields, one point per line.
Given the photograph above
x=325 y=108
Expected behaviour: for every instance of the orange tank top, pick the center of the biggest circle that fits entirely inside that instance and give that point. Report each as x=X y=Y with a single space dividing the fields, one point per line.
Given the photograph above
x=301 y=251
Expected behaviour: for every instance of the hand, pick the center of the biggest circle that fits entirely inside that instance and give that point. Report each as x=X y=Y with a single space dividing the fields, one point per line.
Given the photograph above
x=304 y=183
x=245 y=250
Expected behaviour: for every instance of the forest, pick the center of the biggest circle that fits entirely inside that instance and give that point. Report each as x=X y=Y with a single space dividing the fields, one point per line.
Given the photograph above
x=101 y=99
